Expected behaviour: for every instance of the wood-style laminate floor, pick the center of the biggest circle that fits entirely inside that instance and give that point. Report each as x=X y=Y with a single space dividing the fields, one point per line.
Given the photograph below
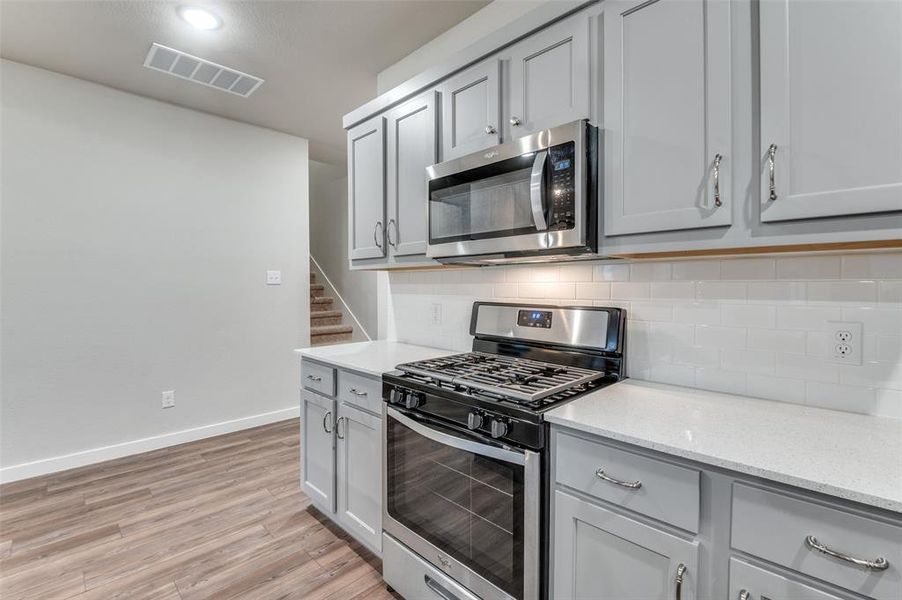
x=219 y=518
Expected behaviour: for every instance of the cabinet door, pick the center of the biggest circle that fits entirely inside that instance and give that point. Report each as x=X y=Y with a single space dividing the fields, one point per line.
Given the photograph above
x=601 y=555
x=549 y=78
x=360 y=474
x=831 y=92
x=366 y=189
x=471 y=110
x=411 y=148
x=761 y=584
x=318 y=449
x=666 y=115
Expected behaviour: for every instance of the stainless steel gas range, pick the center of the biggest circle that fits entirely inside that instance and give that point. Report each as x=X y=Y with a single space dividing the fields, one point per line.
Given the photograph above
x=464 y=459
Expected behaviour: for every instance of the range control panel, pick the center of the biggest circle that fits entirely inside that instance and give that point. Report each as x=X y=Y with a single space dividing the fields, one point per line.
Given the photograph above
x=534 y=318
x=562 y=188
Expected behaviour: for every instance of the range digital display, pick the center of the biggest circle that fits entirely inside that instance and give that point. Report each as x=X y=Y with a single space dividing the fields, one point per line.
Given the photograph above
x=534 y=318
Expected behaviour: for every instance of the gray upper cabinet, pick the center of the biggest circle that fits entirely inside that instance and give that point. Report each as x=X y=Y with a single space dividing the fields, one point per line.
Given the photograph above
x=667 y=115
x=601 y=555
x=411 y=148
x=831 y=92
x=549 y=78
x=366 y=189
x=471 y=110
x=318 y=456
x=359 y=476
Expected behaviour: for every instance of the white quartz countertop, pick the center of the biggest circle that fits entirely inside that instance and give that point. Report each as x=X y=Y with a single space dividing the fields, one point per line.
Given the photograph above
x=372 y=358
x=851 y=456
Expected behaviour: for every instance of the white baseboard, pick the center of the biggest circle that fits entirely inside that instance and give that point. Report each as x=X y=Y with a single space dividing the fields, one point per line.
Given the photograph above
x=105 y=453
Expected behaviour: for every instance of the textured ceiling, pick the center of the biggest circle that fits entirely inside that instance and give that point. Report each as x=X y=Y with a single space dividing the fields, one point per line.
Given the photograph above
x=319 y=58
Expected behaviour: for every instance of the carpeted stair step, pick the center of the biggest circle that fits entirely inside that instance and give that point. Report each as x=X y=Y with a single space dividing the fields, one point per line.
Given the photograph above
x=325 y=317
x=330 y=334
x=321 y=303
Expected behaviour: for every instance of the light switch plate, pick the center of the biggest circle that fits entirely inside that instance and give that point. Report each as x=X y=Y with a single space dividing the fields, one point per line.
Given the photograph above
x=274 y=278
x=168 y=399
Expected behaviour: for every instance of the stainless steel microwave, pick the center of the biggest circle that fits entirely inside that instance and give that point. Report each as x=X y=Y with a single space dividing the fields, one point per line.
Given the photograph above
x=531 y=199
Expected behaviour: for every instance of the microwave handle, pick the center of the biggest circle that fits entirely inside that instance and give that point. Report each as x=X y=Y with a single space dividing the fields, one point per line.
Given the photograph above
x=440 y=436
x=537 y=190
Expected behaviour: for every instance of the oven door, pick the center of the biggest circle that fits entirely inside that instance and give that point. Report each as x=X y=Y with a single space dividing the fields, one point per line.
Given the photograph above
x=521 y=197
x=467 y=505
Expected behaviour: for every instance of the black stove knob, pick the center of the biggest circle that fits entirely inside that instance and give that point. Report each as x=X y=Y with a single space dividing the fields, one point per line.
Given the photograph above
x=411 y=400
x=474 y=420
x=396 y=396
x=499 y=428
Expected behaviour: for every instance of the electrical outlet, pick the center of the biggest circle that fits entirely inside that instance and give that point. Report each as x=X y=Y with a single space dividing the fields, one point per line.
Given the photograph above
x=168 y=399
x=844 y=342
x=436 y=314
x=274 y=278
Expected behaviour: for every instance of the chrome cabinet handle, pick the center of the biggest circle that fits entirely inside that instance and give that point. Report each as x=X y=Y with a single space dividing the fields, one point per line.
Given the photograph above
x=537 y=190
x=879 y=564
x=633 y=485
x=327 y=416
x=338 y=428
x=744 y=595
x=315 y=378
x=490 y=130
x=391 y=242
x=678 y=580
x=357 y=392
x=771 y=160
x=717 y=159
x=438 y=589
x=515 y=121
x=378 y=226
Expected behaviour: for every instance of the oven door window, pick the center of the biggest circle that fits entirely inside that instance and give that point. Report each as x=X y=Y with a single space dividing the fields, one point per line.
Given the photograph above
x=487 y=202
x=466 y=504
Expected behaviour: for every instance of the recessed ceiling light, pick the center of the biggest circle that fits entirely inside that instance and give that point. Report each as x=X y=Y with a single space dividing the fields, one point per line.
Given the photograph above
x=199 y=18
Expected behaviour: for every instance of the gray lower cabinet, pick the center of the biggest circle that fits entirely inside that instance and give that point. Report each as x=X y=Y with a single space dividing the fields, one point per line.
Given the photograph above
x=341 y=454
x=359 y=474
x=602 y=555
x=471 y=110
x=549 y=78
x=750 y=582
x=318 y=453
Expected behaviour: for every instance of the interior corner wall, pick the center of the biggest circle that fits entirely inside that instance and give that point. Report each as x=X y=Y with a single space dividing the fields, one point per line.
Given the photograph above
x=136 y=236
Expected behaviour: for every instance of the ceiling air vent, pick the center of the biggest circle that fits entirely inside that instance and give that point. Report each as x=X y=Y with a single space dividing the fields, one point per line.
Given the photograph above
x=198 y=70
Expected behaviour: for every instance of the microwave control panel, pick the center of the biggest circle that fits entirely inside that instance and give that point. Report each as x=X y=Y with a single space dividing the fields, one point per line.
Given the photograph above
x=562 y=186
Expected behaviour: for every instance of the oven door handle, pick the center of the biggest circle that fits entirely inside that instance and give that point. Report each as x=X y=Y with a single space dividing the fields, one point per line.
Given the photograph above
x=447 y=439
x=537 y=190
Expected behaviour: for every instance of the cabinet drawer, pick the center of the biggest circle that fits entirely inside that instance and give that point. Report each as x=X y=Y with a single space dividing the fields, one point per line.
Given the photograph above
x=317 y=377
x=358 y=390
x=775 y=527
x=761 y=584
x=659 y=489
x=414 y=578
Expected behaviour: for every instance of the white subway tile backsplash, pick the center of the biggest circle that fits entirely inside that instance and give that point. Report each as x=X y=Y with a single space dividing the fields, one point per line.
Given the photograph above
x=748 y=315
x=720 y=337
x=808 y=267
x=650 y=271
x=748 y=268
x=842 y=291
x=721 y=290
x=629 y=291
x=697 y=313
x=777 y=340
x=884 y=265
x=618 y=272
x=744 y=325
x=593 y=290
x=696 y=270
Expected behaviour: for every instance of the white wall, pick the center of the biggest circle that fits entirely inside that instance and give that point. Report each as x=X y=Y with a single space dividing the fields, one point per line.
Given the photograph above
x=752 y=326
x=135 y=240
x=329 y=244
x=489 y=19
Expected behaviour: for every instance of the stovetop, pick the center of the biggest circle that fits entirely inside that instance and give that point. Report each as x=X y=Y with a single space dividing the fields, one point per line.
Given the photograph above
x=503 y=377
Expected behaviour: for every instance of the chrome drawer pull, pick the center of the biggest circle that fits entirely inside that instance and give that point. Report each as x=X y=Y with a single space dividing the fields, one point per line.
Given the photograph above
x=437 y=589
x=338 y=428
x=633 y=485
x=771 y=160
x=678 y=580
x=357 y=392
x=880 y=564
x=717 y=159
x=744 y=595
x=326 y=416
x=315 y=378
x=378 y=227
x=391 y=242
